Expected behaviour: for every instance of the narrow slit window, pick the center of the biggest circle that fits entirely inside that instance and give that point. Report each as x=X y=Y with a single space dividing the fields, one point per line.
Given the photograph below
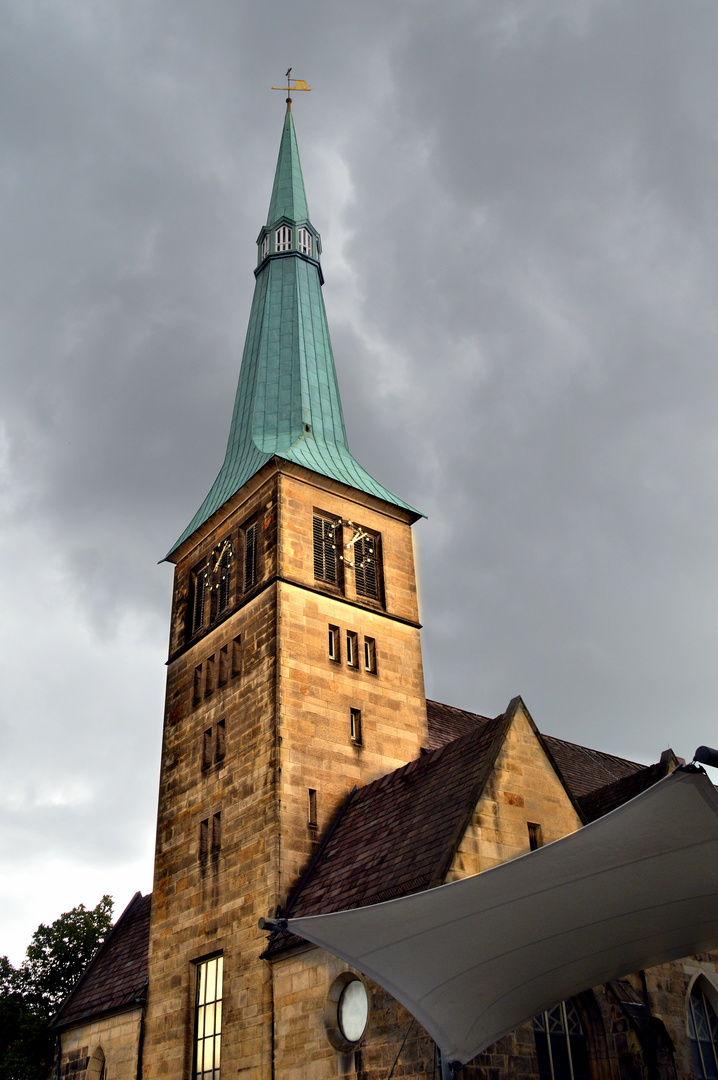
x=216 y=833
x=223 y=665
x=535 y=836
x=209 y=678
x=250 y=557
x=197 y=691
x=221 y=744
x=352 y=649
x=366 y=565
x=312 y=808
x=207 y=749
x=283 y=238
x=326 y=549
x=203 y=840
x=355 y=726
x=370 y=655
x=265 y=246
x=237 y=657
x=334 y=648
x=304 y=242
x=208 y=1020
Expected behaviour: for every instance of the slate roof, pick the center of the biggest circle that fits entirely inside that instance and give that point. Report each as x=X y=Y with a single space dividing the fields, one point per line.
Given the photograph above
x=582 y=770
x=604 y=799
x=117 y=974
x=399 y=834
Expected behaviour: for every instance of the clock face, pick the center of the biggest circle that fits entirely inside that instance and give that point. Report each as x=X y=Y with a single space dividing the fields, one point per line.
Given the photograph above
x=223 y=552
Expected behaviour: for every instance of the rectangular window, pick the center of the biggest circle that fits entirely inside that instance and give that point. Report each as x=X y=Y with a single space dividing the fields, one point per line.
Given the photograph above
x=367 y=564
x=352 y=649
x=223 y=665
x=197 y=692
x=197 y=594
x=208 y=1019
x=221 y=743
x=265 y=246
x=250 y=557
x=207 y=749
x=237 y=657
x=370 y=655
x=326 y=538
x=355 y=725
x=223 y=576
x=535 y=836
x=216 y=834
x=203 y=841
x=209 y=677
x=312 y=809
x=334 y=643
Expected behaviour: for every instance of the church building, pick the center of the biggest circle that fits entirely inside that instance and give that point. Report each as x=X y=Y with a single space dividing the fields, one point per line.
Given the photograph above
x=304 y=771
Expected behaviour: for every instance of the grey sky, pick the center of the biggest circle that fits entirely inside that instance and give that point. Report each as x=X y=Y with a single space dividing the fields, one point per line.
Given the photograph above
x=518 y=212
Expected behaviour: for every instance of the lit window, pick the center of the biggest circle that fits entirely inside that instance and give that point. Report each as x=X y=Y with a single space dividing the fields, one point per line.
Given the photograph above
x=366 y=564
x=265 y=246
x=703 y=1030
x=208 y=1019
x=312 y=809
x=561 y=1046
x=370 y=654
x=326 y=553
x=355 y=725
x=283 y=238
x=250 y=557
x=352 y=649
x=535 y=836
x=304 y=241
x=334 y=643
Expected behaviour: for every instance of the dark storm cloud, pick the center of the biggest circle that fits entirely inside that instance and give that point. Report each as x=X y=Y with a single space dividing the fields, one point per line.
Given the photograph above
x=518 y=214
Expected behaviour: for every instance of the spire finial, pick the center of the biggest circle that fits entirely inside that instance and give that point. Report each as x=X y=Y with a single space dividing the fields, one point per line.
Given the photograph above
x=299 y=84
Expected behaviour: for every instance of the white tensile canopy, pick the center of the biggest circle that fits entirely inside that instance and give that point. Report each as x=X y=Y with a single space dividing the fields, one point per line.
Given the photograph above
x=473 y=959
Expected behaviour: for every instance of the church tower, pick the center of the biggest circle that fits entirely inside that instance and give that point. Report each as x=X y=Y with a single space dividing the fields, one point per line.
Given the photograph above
x=294 y=668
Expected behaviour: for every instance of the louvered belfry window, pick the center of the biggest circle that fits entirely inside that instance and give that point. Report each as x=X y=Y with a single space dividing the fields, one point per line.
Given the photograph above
x=283 y=238
x=366 y=565
x=224 y=570
x=250 y=556
x=304 y=241
x=198 y=589
x=326 y=549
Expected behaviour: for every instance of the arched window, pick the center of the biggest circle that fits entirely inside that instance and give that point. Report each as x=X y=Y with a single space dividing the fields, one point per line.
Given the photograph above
x=561 y=1046
x=96 y=1065
x=283 y=238
x=703 y=1030
x=304 y=241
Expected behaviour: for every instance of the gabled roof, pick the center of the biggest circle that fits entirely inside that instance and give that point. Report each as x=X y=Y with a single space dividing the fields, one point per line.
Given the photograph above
x=287 y=404
x=399 y=833
x=116 y=977
x=604 y=799
x=582 y=770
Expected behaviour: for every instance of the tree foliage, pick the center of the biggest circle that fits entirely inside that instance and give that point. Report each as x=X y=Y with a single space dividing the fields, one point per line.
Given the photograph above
x=31 y=994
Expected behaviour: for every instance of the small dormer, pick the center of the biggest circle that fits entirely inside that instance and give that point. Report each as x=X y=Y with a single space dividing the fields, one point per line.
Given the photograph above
x=288 y=237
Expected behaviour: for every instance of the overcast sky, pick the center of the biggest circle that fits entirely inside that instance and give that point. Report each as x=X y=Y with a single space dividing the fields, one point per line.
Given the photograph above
x=517 y=202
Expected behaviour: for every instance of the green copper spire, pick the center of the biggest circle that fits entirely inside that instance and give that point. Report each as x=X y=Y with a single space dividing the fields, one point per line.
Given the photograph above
x=288 y=198
x=287 y=402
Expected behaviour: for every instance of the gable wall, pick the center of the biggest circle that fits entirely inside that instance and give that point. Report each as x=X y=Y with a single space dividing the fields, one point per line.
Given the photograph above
x=119 y=1037
x=522 y=788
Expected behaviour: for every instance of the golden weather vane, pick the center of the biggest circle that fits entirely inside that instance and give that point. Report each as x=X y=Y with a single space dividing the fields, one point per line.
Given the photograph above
x=299 y=84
